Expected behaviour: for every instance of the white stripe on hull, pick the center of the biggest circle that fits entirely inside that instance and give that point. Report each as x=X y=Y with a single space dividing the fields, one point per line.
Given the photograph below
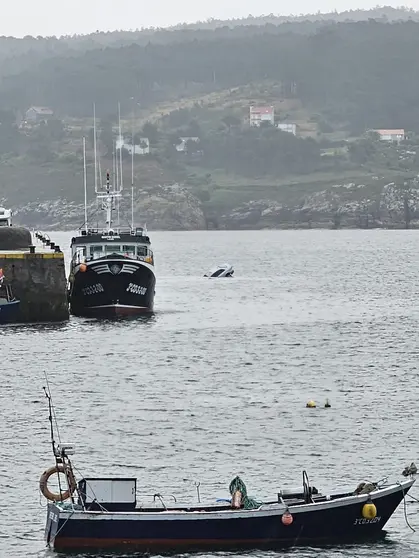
x=266 y=510
x=115 y=306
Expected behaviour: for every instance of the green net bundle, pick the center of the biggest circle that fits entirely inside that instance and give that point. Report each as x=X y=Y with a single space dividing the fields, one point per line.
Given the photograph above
x=248 y=503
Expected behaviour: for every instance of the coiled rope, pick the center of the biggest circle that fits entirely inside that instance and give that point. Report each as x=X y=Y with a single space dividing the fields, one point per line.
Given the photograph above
x=248 y=503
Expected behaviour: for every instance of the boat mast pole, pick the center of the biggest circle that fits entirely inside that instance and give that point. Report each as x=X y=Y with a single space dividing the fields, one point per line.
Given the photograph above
x=120 y=187
x=85 y=184
x=132 y=165
x=108 y=201
x=94 y=143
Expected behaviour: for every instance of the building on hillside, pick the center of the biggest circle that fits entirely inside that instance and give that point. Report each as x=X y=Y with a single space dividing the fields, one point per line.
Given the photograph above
x=182 y=147
x=141 y=148
x=288 y=127
x=391 y=135
x=35 y=115
x=258 y=115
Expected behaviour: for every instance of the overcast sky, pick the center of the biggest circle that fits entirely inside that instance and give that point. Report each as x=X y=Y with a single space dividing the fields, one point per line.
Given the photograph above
x=58 y=17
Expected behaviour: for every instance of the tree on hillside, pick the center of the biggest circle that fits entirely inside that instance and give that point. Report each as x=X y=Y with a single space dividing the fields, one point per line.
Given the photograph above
x=151 y=132
x=193 y=129
x=230 y=121
x=55 y=128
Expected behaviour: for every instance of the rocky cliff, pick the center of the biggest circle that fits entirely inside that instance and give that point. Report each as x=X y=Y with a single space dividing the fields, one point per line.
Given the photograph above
x=174 y=207
x=166 y=207
x=343 y=205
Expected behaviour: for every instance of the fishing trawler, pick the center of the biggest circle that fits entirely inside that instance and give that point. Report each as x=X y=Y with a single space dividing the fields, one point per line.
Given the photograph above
x=111 y=269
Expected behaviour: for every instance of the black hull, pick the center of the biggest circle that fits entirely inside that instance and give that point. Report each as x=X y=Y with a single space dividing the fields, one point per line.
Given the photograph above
x=336 y=521
x=112 y=288
x=9 y=312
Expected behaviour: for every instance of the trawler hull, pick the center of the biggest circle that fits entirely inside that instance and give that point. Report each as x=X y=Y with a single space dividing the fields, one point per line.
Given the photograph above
x=112 y=288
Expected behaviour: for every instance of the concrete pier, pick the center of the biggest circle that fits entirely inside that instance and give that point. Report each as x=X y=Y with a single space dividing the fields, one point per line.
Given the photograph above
x=38 y=280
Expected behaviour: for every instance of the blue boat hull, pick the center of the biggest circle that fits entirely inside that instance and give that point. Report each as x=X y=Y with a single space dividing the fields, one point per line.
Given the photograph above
x=9 y=312
x=223 y=528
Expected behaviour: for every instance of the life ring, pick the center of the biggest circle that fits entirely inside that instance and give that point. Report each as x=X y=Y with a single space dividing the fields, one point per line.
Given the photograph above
x=43 y=483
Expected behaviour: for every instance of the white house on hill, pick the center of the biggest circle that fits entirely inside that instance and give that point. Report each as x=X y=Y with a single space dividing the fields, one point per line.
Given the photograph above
x=391 y=135
x=261 y=114
x=142 y=148
x=288 y=127
x=38 y=114
x=182 y=147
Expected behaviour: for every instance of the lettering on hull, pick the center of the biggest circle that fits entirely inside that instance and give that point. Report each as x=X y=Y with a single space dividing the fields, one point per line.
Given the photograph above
x=364 y=521
x=92 y=289
x=136 y=289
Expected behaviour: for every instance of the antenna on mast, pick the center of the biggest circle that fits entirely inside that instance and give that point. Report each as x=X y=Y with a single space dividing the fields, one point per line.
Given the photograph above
x=85 y=184
x=95 y=143
x=132 y=165
x=121 y=144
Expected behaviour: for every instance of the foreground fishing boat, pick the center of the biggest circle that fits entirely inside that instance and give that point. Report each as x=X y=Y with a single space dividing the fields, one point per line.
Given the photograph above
x=97 y=513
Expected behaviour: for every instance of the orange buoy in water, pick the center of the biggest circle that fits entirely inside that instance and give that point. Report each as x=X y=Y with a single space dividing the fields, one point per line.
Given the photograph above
x=287 y=518
x=83 y=267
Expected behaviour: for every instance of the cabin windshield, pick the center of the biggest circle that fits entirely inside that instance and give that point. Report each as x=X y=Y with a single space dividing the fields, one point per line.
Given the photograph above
x=95 y=251
x=4 y=222
x=112 y=249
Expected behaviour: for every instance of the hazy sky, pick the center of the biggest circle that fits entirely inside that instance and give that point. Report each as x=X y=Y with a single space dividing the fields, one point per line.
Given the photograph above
x=58 y=17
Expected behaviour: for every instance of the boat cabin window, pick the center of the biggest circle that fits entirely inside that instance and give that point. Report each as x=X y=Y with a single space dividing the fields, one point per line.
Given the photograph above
x=142 y=251
x=128 y=250
x=96 y=251
x=112 y=248
x=80 y=254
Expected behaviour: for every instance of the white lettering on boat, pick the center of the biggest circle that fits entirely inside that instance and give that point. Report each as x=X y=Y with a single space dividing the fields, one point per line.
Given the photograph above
x=136 y=289
x=53 y=517
x=93 y=289
x=364 y=521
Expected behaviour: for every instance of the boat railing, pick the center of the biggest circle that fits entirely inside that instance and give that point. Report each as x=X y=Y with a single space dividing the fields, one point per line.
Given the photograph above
x=138 y=231
x=82 y=259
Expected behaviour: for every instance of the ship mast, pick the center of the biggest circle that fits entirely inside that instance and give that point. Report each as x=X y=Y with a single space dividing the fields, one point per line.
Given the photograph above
x=132 y=166
x=110 y=194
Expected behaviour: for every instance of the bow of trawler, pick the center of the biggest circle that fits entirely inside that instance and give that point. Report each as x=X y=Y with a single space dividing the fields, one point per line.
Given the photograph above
x=112 y=274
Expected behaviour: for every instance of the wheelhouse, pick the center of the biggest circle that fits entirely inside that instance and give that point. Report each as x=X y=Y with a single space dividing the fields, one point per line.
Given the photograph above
x=93 y=246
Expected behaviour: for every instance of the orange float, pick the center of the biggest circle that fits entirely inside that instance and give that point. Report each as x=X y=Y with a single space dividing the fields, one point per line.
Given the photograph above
x=287 y=518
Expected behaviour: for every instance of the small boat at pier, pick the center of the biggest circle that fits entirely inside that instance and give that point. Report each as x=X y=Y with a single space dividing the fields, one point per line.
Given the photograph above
x=9 y=305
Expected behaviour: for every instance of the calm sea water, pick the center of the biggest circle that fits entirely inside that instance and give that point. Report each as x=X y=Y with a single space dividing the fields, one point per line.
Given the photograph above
x=215 y=384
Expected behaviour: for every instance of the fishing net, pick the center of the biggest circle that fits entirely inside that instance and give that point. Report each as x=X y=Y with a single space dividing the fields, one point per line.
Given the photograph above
x=248 y=503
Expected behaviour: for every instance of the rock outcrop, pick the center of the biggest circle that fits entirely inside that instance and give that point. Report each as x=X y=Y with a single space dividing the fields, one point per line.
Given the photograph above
x=345 y=205
x=174 y=207
x=166 y=207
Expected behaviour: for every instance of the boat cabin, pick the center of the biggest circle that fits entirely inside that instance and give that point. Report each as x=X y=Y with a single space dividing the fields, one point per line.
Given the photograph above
x=5 y=217
x=92 y=245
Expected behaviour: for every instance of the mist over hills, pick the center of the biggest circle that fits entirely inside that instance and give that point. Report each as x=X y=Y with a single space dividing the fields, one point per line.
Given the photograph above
x=335 y=76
